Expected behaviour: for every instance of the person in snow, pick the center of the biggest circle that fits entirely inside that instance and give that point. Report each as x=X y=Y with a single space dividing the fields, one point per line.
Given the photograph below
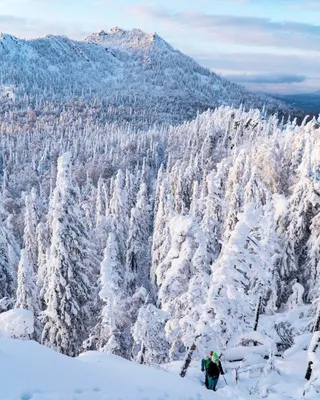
x=204 y=366
x=213 y=368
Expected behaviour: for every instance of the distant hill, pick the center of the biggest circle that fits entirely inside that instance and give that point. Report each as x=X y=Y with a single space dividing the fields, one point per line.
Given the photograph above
x=137 y=76
x=309 y=102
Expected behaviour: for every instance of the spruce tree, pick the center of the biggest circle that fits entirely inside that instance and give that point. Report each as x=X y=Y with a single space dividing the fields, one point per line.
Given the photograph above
x=31 y=220
x=8 y=264
x=149 y=335
x=27 y=291
x=228 y=310
x=161 y=233
x=68 y=282
x=138 y=261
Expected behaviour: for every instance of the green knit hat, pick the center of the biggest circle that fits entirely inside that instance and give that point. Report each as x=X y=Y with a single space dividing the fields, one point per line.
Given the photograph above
x=215 y=356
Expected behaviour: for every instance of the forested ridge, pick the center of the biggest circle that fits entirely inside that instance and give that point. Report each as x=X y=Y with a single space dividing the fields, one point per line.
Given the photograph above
x=122 y=76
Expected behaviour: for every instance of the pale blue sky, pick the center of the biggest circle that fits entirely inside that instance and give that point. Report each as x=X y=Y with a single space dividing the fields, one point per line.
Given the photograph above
x=269 y=45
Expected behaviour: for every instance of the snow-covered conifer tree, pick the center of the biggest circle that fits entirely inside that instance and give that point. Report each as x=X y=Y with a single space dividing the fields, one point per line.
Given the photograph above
x=119 y=211
x=312 y=264
x=296 y=224
x=234 y=193
x=161 y=235
x=69 y=266
x=149 y=334
x=186 y=282
x=105 y=336
x=100 y=202
x=27 y=292
x=211 y=223
x=8 y=264
x=138 y=254
x=112 y=332
x=31 y=221
x=228 y=310
x=42 y=233
x=265 y=246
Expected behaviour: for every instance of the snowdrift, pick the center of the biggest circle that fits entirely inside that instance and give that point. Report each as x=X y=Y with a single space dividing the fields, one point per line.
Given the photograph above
x=30 y=371
x=16 y=324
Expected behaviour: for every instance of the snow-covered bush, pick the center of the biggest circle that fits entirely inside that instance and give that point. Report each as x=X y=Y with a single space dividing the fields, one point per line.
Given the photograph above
x=17 y=324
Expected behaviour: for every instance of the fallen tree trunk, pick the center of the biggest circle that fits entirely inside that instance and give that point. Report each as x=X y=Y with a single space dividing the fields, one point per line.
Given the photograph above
x=187 y=360
x=257 y=314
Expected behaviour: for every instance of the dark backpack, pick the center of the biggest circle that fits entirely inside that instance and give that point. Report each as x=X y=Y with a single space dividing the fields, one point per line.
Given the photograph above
x=213 y=370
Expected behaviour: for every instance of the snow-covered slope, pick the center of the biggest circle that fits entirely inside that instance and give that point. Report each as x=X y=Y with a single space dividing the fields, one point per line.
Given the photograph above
x=33 y=372
x=138 y=76
x=30 y=371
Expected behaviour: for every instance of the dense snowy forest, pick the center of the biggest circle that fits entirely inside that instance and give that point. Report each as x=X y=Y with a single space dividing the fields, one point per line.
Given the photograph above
x=166 y=231
x=141 y=236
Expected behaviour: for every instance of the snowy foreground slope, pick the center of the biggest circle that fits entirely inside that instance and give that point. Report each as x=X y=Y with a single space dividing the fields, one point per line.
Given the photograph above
x=30 y=371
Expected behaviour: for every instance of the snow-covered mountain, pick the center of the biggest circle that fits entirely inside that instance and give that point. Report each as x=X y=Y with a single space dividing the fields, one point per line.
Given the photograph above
x=136 y=76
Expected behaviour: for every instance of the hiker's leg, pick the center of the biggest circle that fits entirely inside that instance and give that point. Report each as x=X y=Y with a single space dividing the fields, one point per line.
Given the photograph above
x=215 y=382
x=206 y=381
x=210 y=383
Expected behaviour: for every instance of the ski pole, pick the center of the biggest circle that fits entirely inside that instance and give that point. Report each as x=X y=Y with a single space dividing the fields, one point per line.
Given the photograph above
x=225 y=380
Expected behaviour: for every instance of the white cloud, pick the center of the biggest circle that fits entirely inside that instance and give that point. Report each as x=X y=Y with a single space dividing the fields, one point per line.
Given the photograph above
x=31 y=28
x=251 y=31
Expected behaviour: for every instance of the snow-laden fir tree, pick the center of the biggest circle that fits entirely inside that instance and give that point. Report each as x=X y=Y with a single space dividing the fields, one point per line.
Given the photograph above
x=42 y=234
x=27 y=291
x=303 y=205
x=100 y=202
x=8 y=264
x=31 y=220
x=105 y=336
x=138 y=260
x=111 y=334
x=119 y=212
x=255 y=191
x=102 y=219
x=228 y=310
x=312 y=264
x=211 y=223
x=296 y=298
x=186 y=282
x=234 y=194
x=88 y=194
x=161 y=233
x=68 y=283
x=149 y=334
